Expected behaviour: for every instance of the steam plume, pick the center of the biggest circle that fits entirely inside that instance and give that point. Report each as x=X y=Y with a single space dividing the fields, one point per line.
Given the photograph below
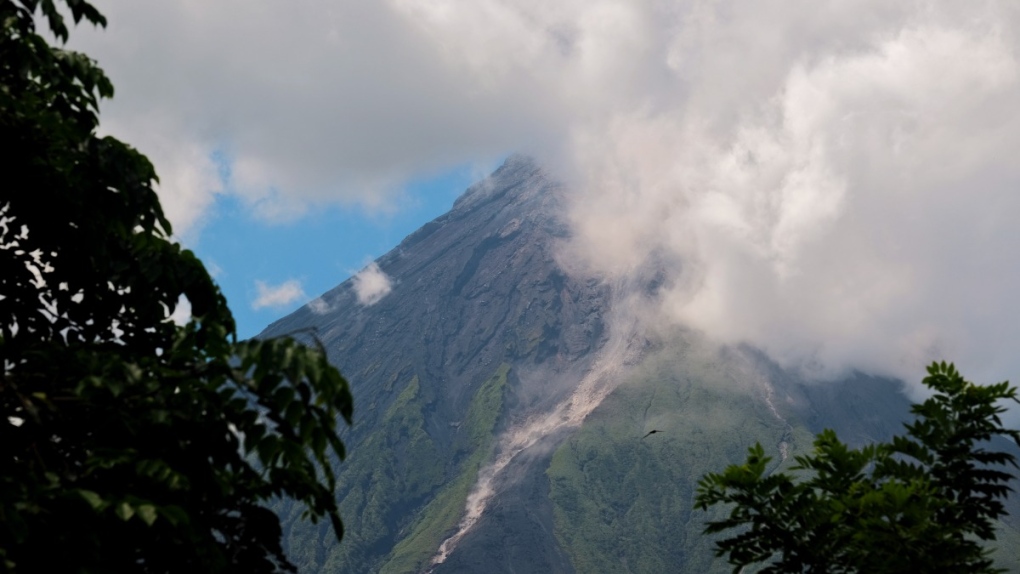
x=834 y=178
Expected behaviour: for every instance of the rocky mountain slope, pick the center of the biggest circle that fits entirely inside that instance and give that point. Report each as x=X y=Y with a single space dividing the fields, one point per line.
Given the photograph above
x=500 y=405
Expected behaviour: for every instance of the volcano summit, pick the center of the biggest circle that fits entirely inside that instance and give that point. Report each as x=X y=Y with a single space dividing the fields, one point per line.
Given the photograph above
x=504 y=406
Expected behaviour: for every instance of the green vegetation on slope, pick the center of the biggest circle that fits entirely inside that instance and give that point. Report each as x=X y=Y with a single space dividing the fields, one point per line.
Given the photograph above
x=623 y=503
x=444 y=511
x=398 y=466
x=1006 y=548
x=390 y=476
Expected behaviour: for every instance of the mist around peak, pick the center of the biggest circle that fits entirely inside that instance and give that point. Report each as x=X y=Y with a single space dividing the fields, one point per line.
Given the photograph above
x=838 y=178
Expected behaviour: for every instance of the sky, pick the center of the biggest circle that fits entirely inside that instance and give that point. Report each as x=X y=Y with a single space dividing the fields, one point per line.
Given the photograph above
x=269 y=268
x=834 y=182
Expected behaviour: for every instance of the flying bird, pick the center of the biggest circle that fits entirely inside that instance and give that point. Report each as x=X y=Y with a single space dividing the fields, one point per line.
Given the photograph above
x=651 y=432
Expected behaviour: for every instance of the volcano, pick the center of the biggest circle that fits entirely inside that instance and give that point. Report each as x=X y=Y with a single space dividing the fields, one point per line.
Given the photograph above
x=515 y=415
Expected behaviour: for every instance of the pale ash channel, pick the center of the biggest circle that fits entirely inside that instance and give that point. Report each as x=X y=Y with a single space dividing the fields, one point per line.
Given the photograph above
x=770 y=391
x=590 y=392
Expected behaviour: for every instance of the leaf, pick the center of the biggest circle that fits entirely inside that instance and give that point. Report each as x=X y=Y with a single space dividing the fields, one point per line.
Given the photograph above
x=175 y=515
x=123 y=510
x=111 y=392
x=94 y=500
x=866 y=510
x=147 y=513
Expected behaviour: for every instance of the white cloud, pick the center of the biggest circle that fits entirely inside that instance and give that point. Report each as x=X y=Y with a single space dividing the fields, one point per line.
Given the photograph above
x=310 y=102
x=182 y=312
x=319 y=306
x=837 y=177
x=214 y=270
x=188 y=178
x=851 y=218
x=371 y=284
x=277 y=295
x=833 y=177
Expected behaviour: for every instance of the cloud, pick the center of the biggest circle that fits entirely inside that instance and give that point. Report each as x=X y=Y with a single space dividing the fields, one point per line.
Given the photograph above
x=371 y=284
x=310 y=103
x=836 y=179
x=277 y=296
x=847 y=216
x=831 y=178
x=319 y=306
x=182 y=312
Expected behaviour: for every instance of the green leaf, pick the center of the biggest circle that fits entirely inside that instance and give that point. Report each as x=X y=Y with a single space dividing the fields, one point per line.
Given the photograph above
x=175 y=515
x=864 y=510
x=94 y=500
x=111 y=393
x=123 y=510
x=147 y=513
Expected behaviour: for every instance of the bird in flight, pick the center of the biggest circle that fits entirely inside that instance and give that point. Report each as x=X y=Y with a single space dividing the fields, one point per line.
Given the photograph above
x=651 y=432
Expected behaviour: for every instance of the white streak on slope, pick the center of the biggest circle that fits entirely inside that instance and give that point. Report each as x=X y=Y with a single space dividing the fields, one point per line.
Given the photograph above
x=590 y=392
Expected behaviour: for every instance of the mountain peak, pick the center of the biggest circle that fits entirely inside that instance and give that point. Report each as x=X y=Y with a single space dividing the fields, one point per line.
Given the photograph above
x=517 y=168
x=500 y=407
x=481 y=326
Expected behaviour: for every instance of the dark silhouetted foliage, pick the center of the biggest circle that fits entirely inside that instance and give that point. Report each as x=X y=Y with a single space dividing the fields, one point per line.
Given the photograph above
x=923 y=502
x=129 y=443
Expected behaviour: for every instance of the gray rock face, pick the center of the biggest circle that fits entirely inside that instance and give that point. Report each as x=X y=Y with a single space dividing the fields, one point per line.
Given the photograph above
x=472 y=290
x=517 y=532
x=482 y=327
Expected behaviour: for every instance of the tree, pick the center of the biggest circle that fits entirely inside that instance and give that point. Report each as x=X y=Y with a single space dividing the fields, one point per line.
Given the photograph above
x=129 y=443
x=923 y=502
